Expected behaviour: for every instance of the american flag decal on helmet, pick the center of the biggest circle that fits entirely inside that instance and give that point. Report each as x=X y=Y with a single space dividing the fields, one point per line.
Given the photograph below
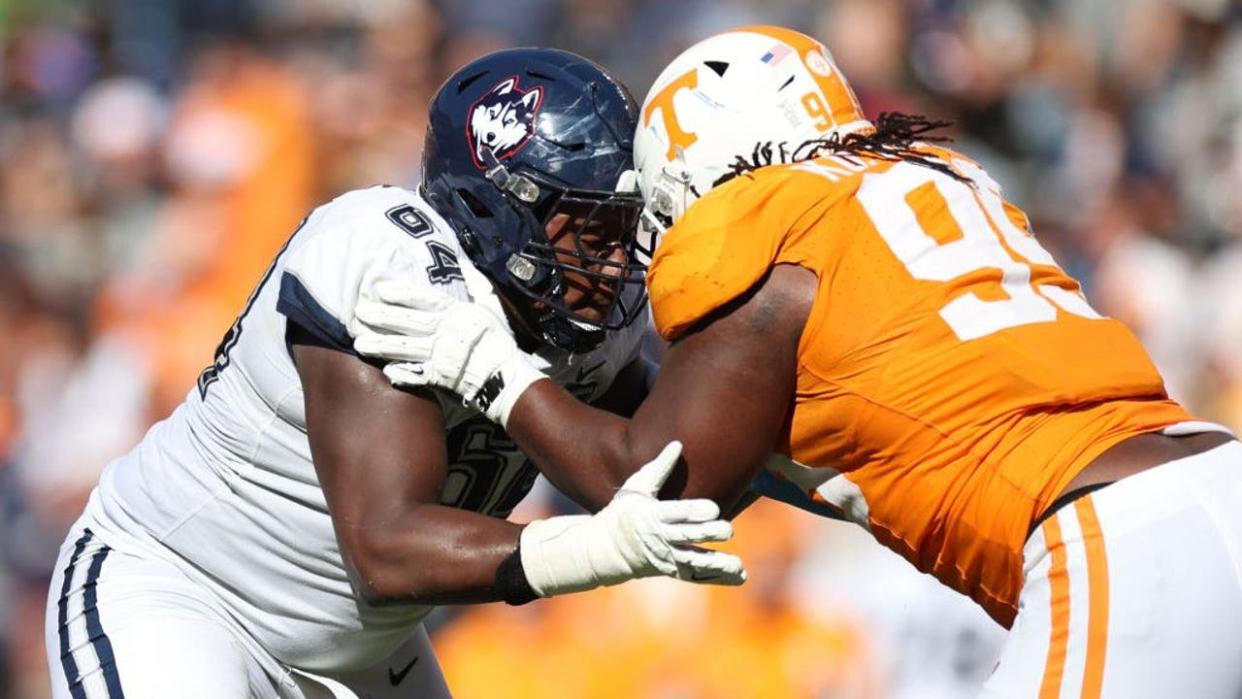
x=776 y=54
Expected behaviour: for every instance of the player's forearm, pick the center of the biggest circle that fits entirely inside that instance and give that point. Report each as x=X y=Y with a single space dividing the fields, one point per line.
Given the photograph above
x=439 y=555
x=588 y=453
x=584 y=451
x=429 y=555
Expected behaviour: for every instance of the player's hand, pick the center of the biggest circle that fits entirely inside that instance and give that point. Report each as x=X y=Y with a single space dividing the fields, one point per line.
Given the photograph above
x=634 y=536
x=434 y=340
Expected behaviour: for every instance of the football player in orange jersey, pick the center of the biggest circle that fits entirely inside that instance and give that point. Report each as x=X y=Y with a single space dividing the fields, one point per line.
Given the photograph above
x=869 y=306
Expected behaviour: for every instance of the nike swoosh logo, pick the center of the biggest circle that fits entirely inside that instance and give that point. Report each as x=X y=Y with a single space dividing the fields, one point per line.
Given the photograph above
x=695 y=577
x=395 y=678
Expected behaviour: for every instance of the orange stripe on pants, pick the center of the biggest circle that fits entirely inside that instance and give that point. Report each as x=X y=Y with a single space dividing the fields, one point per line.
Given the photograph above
x=1058 y=583
x=1097 y=582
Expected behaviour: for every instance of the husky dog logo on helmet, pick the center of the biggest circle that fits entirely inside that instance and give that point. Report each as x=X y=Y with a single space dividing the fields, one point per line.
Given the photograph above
x=503 y=120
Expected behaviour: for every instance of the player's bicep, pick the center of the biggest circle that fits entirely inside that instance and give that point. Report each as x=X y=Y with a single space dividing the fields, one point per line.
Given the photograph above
x=726 y=387
x=378 y=451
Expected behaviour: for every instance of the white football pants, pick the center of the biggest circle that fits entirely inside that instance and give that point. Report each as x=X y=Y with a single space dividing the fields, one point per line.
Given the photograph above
x=1135 y=590
x=120 y=625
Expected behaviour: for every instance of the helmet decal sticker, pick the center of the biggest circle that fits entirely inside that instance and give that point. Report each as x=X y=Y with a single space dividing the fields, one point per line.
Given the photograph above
x=776 y=54
x=818 y=63
x=663 y=101
x=502 y=120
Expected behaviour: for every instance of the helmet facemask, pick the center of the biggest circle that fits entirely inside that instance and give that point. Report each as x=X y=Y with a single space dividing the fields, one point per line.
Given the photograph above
x=587 y=278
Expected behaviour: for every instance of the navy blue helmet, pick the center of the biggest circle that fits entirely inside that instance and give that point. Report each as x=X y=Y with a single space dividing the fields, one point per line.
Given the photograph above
x=526 y=141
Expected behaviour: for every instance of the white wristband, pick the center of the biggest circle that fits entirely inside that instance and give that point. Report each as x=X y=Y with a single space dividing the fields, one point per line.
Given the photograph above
x=552 y=556
x=497 y=396
x=634 y=536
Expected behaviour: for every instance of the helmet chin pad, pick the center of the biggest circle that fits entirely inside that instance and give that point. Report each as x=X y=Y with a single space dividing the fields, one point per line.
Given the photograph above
x=571 y=335
x=537 y=326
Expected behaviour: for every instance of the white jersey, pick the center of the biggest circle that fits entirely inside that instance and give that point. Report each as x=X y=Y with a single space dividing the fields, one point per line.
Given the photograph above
x=225 y=487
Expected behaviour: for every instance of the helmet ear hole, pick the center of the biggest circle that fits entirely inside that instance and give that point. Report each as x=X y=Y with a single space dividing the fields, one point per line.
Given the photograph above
x=477 y=207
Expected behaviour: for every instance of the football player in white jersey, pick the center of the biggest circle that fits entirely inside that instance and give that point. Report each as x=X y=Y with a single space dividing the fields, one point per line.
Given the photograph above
x=284 y=532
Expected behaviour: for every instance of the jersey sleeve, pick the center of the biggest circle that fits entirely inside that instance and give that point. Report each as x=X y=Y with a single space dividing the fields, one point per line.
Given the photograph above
x=729 y=239
x=357 y=243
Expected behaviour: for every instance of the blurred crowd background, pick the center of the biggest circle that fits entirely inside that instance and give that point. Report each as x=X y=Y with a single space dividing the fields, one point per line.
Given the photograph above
x=155 y=153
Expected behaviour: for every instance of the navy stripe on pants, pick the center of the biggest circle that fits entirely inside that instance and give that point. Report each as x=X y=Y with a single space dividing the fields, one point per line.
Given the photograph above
x=66 y=657
x=90 y=607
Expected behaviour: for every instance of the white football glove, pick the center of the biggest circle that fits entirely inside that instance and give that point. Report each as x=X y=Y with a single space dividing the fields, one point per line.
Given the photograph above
x=634 y=536
x=434 y=340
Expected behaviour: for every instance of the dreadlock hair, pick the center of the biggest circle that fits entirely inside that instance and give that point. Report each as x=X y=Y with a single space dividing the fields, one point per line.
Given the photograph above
x=893 y=139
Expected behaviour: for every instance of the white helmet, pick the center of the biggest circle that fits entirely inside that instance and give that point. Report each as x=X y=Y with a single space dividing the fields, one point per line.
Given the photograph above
x=726 y=95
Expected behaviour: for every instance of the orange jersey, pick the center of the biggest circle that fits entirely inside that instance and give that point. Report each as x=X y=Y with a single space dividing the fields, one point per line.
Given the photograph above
x=949 y=369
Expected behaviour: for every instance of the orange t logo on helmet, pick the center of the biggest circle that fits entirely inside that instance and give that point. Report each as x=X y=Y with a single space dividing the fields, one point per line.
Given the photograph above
x=663 y=100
